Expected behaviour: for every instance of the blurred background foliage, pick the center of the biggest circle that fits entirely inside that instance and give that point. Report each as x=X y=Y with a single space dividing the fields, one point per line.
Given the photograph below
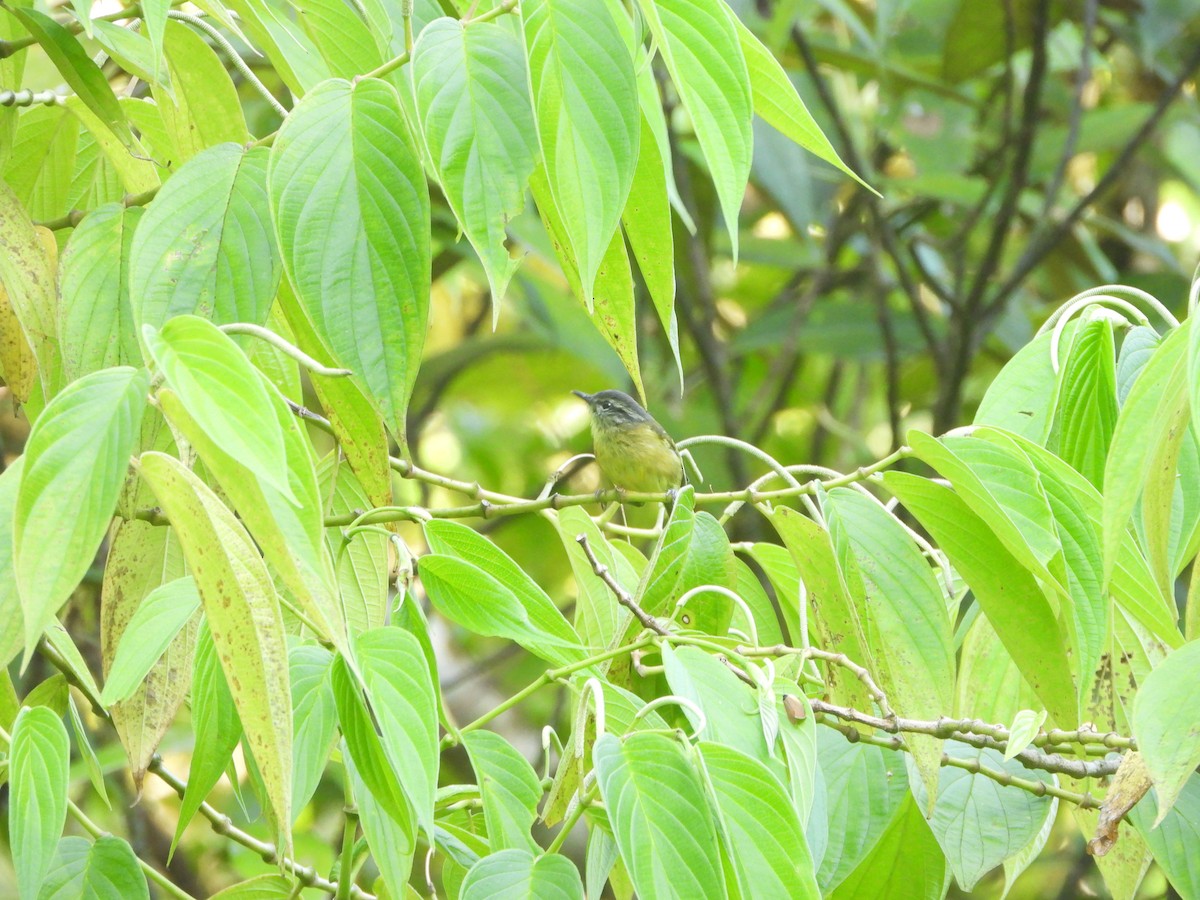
x=1023 y=149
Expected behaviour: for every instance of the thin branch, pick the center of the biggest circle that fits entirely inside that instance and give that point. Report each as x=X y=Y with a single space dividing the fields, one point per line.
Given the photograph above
x=235 y=58
x=1031 y=758
x=30 y=98
x=838 y=659
x=75 y=216
x=622 y=595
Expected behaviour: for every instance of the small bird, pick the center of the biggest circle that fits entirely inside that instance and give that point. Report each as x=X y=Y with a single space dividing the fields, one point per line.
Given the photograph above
x=634 y=452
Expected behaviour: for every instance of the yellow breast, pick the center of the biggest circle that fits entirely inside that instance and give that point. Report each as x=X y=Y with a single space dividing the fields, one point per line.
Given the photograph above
x=637 y=458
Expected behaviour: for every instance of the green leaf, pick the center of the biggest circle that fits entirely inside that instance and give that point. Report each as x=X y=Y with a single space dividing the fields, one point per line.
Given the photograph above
x=729 y=706
x=977 y=821
x=403 y=700
x=509 y=788
x=314 y=719
x=217 y=728
x=77 y=69
x=201 y=107
x=1024 y=729
x=243 y=615
x=38 y=765
x=831 y=613
x=260 y=887
x=133 y=51
x=709 y=562
x=95 y=320
x=904 y=615
x=222 y=392
x=1087 y=411
x=351 y=210
x=660 y=579
x=27 y=273
x=766 y=621
x=1156 y=407
x=43 y=160
x=700 y=46
x=104 y=869
x=12 y=637
x=76 y=460
x=1173 y=841
x=596 y=611
x=393 y=843
x=662 y=821
x=154 y=17
x=159 y=618
x=1166 y=722
x=585 y=101
x=1022 y=398
x=647 y=222
x=776 y=100
x=611 y=304
x=1007 y=592
x=759 y=825
x=360 y=561
x=365 y=750
x=290 y=534
x=484 y=604
x=519 y=874
x=205 y=245
x=472 y=98
x=865 y=790
x=140 y=558
x=341 y=35
x=905 y=863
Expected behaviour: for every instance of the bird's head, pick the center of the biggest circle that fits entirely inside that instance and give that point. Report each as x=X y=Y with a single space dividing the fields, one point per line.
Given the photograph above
x=614 y=408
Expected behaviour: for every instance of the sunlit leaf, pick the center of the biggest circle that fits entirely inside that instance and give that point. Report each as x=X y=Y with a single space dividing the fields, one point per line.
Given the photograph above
x=1165 y=723
x=509 y=788
x=159 y=618
x=38 y=762
x=519 y=874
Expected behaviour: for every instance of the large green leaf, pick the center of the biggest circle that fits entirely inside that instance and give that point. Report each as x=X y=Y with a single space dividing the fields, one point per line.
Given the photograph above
x=905 y=863
x=729 y=707
x=393 y=843
x=1166 y=722
x=472 y=97
x=201 y=108
x=360 y=560
x=43 y=160
x=1156 y=408
x=38 y=762
x=290 y=534
x=159 y=618
x=244 y=617
x=314 y=719
x=661 y=819
x=1022 y=398
x=519 y=875
x=77 y=69
x=660 y=579
x=366 y=751
x=1174 y=840
x=865 y=788
x=352 y=214
x=1008 y=593
x=95 y=320
x=978 y=822
x=759 y=825
x=597 y=613
x=27 y=274
x=904 y=615
x=76 y=459
x=216 y=725
x=1087 y=411
x=585 y=100
x=611 y=304
x=106 y=868
x=647 y=223
x=206 y=244
x=699 y=44
x=403 y=700
x=12 y=637
x=141 y=557
x=509 y=788
x=222 y=392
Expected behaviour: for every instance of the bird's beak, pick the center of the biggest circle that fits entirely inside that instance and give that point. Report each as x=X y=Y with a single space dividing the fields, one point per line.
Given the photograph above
x=586 y=398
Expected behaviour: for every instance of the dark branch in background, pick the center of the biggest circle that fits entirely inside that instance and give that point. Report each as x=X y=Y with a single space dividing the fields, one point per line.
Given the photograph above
x=883 y=227
x=966 y=326
x=1042 y=245
x=1082 y=76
